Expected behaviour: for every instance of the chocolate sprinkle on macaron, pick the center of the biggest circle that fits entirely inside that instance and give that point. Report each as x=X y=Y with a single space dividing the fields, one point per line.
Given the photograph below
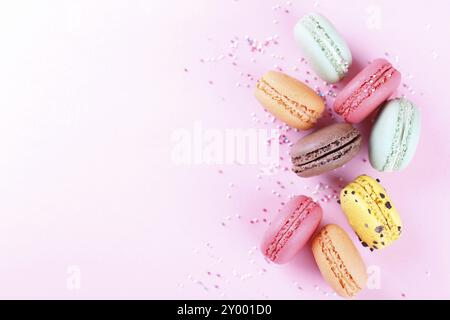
x=388 y=205
x=379 y=229
x=382 y=195
x=364 y=244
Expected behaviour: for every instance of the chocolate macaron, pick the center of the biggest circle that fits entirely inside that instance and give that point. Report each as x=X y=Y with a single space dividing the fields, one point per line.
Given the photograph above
x=325 y=149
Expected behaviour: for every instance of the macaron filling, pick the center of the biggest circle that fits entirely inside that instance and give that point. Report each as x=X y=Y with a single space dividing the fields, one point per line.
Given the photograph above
x=402 y=136
x=367 y=88
x=377 y=209
x=291 y=224
x=330 y=152
x=327 y=45
x=337 y=265
x=295 y=108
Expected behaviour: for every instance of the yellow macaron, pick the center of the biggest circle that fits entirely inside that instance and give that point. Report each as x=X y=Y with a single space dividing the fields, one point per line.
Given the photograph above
x=370 y=212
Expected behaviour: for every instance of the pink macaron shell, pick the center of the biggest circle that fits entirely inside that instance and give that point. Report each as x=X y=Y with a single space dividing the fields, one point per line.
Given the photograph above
x=380 y=95
x=299 y=237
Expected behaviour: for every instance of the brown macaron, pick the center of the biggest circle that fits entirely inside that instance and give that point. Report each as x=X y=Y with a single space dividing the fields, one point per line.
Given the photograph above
x=289 y=100
x=339 y=261
x=326 y=149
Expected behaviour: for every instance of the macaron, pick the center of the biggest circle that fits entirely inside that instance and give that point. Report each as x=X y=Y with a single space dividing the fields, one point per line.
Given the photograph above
x=371 y=213
x=289 y=100
x=323 y=47
x=339 y=261
x=325 y=149
x=291 y=229
x=367 y=91
x=395 y=135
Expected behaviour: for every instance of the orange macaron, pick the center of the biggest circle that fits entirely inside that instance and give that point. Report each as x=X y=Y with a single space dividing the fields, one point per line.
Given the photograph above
x=289 y=100
x=339 y=261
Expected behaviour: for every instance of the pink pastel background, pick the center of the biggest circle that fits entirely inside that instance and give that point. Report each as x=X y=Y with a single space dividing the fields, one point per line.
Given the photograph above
x=90 y=94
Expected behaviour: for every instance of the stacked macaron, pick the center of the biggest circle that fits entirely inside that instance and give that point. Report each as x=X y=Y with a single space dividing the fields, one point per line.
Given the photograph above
x=393 y=142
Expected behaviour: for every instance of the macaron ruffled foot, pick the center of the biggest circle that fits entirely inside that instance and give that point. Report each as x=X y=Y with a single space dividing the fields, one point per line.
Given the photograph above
x=326 y=149
x=339 y=261
x=367 y=91
x=395 y=135
x=323 y=47
x=291 y=229
x=371 y=213
x=289 y=100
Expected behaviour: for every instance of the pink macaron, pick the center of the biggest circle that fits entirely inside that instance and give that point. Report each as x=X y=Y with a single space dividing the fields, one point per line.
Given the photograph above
x=291 y=229
x=367 y=90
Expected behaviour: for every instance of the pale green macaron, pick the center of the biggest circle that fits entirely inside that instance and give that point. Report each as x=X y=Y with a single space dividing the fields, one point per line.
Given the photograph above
x=395 y=135
x=323 y=47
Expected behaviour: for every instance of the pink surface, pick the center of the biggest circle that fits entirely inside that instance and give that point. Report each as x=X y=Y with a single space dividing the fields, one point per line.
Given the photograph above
x=92 y=203
x=291 y=229
x=363 y=100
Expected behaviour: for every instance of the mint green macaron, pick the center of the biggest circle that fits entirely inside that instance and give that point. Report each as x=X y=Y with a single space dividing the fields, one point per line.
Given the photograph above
x=323 y=47
x=395 y=135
